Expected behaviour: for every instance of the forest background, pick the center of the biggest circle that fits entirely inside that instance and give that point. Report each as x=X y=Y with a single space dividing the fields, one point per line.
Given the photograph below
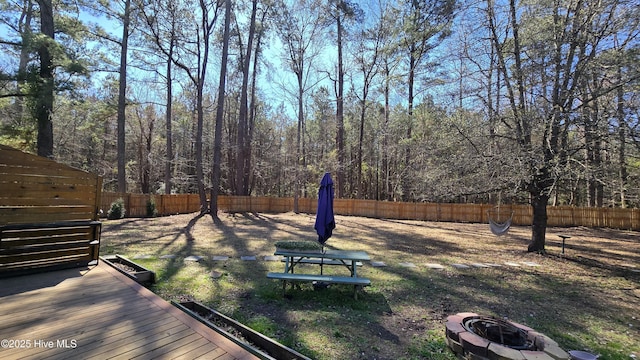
x=493 y=101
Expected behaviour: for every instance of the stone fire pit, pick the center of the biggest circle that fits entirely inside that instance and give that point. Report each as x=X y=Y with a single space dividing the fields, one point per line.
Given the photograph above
x=472 y=336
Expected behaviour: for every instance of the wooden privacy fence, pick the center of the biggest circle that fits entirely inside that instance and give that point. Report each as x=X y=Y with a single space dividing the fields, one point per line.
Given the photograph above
x=48 y=214
x=136 y=205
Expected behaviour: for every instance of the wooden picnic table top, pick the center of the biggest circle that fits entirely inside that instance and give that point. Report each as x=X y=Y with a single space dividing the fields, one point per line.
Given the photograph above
x=97 y=313
x=328 y=254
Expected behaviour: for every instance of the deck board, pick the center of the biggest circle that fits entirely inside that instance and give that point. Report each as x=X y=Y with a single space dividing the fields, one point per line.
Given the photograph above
x=205 y=349
x=106 y=315
x=138 y=316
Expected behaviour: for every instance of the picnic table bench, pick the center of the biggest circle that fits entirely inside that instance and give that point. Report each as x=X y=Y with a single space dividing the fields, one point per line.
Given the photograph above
x=350 y=259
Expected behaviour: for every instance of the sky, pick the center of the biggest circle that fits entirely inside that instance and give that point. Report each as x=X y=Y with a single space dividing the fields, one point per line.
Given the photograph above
x=276 y=81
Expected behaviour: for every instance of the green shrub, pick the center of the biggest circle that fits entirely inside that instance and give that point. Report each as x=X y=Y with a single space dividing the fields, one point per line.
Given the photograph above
x=117 y=210
x=152 y=211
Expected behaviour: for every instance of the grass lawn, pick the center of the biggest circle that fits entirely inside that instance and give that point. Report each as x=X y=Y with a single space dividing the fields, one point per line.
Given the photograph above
x=588 y=299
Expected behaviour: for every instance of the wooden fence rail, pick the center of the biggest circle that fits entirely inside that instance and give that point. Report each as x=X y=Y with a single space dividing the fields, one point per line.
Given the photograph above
x=136 y=206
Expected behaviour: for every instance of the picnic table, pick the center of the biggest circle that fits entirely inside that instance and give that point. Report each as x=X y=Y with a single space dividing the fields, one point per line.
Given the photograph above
x=350 y=259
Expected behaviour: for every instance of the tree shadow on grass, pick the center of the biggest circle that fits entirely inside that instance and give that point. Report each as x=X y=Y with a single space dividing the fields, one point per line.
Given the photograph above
x=173 y=264
x=119 y=225
x=334 y=306
x=264 y=297
x=548 y=304
x=417 y=298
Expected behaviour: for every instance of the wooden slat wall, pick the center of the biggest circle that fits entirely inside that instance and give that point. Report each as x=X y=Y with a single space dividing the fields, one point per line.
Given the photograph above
x=47 y=214
x=471 y=213
x=34 y=189
x=30 y=247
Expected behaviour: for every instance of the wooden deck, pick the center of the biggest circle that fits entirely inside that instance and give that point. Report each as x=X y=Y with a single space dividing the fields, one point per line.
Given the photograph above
x=98 y=313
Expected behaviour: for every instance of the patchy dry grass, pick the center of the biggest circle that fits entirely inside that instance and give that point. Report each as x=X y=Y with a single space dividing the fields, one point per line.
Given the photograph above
x=588 y=299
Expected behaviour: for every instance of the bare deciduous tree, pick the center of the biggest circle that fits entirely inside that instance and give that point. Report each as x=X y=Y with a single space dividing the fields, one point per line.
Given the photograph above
x=299 y=27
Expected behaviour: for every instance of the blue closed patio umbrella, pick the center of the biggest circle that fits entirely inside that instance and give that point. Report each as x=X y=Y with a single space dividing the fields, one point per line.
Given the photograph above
x=325 y=222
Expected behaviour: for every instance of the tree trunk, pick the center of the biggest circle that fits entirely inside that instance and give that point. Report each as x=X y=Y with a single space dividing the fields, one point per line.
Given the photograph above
x=242 y=164
x=623 y=174
x=203 y=59
x=296 y=184
x=146 y=183
x=386 y=172
x=169 y=119
x=539 y=225
x=363 y=111
x=44 y=107
x=253 y=106
x=340 y=188
x=199 y=162
x=217 y=142
x=25 y=55
x=407 y=152
x=122 y=100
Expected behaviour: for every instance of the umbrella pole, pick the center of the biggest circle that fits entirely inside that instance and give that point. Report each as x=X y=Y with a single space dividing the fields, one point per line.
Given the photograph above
x=322 y=260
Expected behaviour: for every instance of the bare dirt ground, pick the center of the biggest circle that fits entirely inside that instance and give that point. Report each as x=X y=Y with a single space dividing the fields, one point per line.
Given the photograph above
x=585 y=299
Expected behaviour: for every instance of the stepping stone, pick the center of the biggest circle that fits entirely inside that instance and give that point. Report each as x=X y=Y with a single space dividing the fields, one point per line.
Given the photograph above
x=248 y=258
x=142 y=257
x=272 y=258
x=512 y=264
x=529 y=263
x=169 y=256
x=479 y=265
x=215 y=274
x=435 y=266
x=407 y=264
x=378 y=264
x=193 y=258
x=219 y=258
x=460 y=266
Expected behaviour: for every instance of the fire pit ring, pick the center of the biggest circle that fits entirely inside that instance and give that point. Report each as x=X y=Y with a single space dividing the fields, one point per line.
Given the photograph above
x=499 y=331
x=470 y=335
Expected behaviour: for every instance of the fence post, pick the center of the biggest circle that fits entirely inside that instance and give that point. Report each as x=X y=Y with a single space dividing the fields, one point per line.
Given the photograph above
x=97 y=206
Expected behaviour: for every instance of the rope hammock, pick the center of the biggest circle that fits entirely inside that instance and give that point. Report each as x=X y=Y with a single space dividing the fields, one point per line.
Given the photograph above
x=498 y=225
